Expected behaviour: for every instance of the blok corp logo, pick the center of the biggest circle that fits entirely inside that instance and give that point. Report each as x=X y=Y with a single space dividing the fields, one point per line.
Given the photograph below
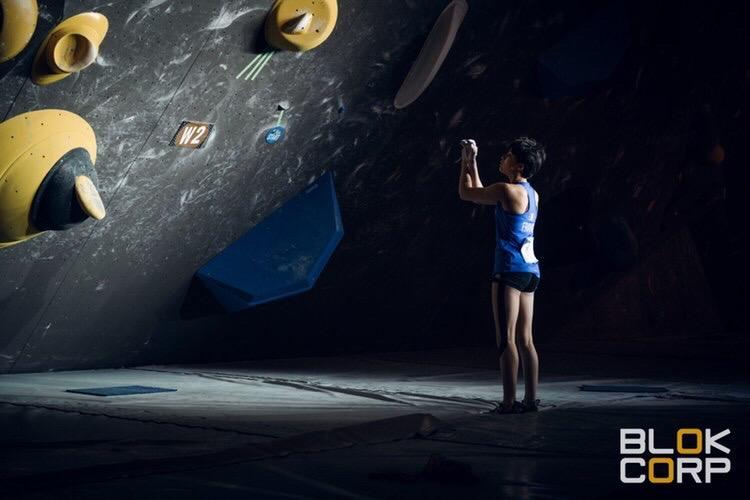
x=699 y=457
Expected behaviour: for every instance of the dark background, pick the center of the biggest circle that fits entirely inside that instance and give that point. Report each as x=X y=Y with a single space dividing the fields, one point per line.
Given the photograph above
x=641 y=234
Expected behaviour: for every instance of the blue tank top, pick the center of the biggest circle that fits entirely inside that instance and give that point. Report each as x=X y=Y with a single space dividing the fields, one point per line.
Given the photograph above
x=514 y=235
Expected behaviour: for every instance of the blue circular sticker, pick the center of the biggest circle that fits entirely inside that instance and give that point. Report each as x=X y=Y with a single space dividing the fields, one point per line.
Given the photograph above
x=275 y=134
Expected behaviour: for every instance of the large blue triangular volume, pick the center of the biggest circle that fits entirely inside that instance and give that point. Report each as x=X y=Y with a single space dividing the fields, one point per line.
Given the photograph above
x=283 y=255
x=587 y=56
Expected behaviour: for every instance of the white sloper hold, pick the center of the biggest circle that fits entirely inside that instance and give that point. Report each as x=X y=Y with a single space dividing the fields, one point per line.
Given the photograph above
x=433 y=53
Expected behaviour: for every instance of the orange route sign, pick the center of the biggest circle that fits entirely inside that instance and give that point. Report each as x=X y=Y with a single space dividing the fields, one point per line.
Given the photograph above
x=192 y=135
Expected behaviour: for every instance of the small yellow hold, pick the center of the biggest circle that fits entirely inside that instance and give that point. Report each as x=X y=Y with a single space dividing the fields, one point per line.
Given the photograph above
x=70 y=47
x=88 y=197
x=18 y=25
x=300 y=25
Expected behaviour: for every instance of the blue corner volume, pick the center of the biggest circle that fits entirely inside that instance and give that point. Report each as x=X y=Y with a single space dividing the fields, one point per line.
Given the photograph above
x=281 y=256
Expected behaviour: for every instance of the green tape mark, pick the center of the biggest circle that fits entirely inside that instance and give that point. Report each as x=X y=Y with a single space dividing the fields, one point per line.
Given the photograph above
x=248 y=66
x=257 y=66
x=281 y=115
x=260 y=68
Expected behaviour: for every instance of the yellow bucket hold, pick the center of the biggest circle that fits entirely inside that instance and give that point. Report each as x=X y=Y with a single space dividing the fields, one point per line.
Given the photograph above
x=70 y=47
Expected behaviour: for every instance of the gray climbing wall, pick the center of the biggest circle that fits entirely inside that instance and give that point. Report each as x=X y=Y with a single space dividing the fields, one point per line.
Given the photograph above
x=99 y=294
x=412 y=269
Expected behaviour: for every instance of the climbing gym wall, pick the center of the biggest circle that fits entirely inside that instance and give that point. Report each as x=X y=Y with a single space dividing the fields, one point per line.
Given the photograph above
x=107 y=293
x=215 y=120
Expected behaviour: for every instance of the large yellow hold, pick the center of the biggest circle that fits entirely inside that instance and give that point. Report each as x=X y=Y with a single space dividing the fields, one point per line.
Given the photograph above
x=31 y=146
x=18 y=25
x=300 y=25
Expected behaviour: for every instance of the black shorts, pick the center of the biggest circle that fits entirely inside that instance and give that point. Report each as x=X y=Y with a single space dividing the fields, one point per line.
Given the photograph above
x=525 y=282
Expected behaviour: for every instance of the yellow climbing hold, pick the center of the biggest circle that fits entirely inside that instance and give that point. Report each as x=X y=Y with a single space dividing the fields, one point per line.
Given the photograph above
x=30 y=146
x=18 y=26
x=71 y=46
x=300 y=25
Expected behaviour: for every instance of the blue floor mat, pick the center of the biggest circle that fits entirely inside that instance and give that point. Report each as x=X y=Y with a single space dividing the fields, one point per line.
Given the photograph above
x=120 y=391
x=623 y=388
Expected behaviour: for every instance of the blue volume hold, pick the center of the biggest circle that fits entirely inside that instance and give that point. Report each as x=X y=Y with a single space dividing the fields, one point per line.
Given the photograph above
x=283 y=255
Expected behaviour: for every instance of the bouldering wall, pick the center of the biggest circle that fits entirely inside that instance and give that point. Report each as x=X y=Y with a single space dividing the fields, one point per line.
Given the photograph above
x=100 y=294
x=628 y=190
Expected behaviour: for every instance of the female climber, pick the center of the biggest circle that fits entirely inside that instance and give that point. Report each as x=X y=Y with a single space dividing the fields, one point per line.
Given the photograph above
x=515 y=275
